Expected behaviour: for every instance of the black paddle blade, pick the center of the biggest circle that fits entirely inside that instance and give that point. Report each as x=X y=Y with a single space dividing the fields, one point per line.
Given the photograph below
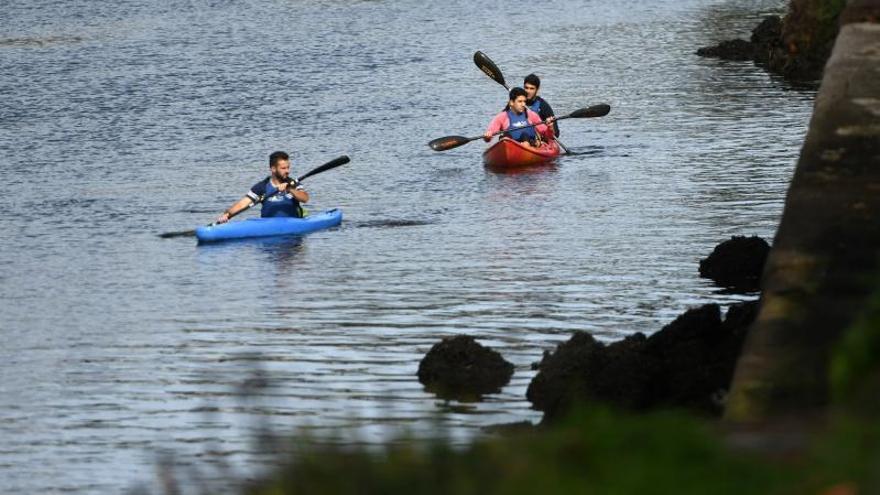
x=448 y=142
x=600 y=110
x=182 y=233
x=342 y=160
x=488 y=66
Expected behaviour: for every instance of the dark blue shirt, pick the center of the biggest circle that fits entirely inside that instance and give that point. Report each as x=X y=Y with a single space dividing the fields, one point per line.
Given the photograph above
x=542 y=108
x=275 y=204
x=517 y=129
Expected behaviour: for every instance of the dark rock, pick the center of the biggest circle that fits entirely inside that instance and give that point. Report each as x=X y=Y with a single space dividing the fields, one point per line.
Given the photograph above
x=685 y=348
x=627 y=378
x=698 y=355
x=739 y=317
x=692 y=325
x=584 y=369
x=808 y=33
x=729 y=50
x=689 y=364
x=736 y=326
x=767 y=39
x=737 y=263
x=796 y=47
x=563 y=374
x=462 y=369
x=768 y=33
x=518 y=428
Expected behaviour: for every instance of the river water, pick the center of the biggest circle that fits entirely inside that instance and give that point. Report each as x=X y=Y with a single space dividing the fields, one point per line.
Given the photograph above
x=120 y=121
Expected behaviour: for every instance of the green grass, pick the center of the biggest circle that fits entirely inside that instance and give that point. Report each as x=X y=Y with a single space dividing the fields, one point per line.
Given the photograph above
x=597 y=451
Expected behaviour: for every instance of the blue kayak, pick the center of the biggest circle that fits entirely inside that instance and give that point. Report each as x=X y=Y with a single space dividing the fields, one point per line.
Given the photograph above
x=264 y=227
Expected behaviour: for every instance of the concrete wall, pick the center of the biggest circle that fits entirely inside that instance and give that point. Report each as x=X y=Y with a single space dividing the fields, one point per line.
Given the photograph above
x=826 y=254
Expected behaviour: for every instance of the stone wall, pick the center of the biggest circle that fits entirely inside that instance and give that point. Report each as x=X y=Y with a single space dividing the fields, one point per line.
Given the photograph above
x=823 y=265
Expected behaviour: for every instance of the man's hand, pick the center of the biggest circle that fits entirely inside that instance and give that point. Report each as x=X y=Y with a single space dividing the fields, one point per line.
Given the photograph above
x=224 y=217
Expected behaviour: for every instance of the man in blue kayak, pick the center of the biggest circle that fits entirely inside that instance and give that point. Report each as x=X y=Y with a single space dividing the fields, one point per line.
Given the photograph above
x=532 y=84
x=279 y=193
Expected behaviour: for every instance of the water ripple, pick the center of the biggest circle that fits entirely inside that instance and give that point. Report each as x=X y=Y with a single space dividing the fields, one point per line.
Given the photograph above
x=124 y=120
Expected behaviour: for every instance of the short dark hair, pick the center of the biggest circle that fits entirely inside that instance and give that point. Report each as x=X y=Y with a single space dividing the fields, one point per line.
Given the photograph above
x=533 y=80
x=515 y=92
x=277 y=156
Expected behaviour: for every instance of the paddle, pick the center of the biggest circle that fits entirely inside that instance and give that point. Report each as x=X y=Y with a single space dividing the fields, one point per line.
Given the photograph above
x=342 y=160
x=489 y=68
x=485 y=64
x=449 y=142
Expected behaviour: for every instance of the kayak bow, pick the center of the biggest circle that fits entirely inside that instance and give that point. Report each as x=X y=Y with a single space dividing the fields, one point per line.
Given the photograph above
x=507 y=153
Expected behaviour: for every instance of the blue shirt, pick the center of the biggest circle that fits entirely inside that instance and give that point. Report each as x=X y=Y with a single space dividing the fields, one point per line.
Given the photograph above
x=518 y=130
x=275 y=204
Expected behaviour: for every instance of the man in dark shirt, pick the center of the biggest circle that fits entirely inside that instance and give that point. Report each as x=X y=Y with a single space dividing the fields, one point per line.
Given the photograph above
x=280 y=195
x=537 y=104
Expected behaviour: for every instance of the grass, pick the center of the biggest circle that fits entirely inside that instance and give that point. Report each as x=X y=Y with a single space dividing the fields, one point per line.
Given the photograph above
x=595 y=451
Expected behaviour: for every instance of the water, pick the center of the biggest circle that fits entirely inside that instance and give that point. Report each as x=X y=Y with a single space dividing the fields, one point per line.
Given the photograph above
x=121 y=121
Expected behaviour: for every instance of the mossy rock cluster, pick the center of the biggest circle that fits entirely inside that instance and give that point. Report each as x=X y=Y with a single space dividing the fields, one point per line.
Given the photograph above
x=687 y=364
x=796 y=46
x=460 y=368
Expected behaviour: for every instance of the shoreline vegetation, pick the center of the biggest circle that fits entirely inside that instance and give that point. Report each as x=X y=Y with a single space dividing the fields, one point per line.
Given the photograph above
x=641 y=415
x=594 y=450
x=796 y=46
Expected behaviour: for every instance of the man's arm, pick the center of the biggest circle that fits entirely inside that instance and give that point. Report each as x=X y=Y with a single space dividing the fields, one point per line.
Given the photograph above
x=547 y=111
x=235 y=209
x=299 y=193
x=498 y=123
x=541 y=128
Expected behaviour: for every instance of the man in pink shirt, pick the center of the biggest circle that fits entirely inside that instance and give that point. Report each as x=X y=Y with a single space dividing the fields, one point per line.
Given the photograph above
x=515 y=119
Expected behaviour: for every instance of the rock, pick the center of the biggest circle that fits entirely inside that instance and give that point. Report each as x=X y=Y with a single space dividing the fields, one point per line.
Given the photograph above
x=739 y=317
x=564 y=373
x=688 y=364
x=807 y=37
x=692 y=325
x=698 y=355
x=517 y=428
x=768 y=34
x=737 y=263
x=685 y=347
x=796 y=47
x=460 y=368
x=627 y=378
x=730 y=50
x=584 y=370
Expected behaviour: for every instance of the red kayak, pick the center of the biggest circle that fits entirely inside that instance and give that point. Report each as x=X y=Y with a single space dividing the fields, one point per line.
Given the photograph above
x=507 y=153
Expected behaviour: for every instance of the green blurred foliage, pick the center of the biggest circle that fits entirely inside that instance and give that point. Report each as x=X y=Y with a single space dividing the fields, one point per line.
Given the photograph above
x=855 y=363
x=828 y=10
x=596 y=451
x=812 y=23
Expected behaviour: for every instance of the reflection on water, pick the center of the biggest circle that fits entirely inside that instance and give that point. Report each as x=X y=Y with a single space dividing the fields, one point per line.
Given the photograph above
x=537 y=168
x=38 y=42
x=279 y=251
x=388 y=223
x=130 y=119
